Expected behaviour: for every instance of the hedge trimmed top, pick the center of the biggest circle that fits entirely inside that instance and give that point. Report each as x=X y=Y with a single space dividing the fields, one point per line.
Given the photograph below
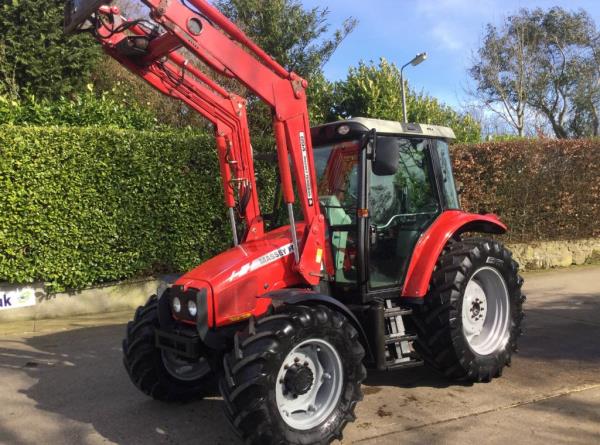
x=81 y=206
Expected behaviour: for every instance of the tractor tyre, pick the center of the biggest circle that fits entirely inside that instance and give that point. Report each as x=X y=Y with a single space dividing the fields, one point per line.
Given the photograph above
x=157 y=373
x=294 y=377
x=471 y=320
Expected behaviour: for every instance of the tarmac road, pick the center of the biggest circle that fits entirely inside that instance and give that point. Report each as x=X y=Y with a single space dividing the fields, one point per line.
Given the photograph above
x=65 y=385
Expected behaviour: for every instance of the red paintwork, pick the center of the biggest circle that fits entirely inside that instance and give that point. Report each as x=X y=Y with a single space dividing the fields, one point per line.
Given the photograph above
x=234 y=286
x=166 y=70
x=223 y=47
x=431 y=244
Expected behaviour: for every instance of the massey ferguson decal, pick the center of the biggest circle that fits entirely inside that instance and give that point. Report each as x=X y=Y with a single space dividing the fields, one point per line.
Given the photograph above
x=262 y=261
x=309 y=194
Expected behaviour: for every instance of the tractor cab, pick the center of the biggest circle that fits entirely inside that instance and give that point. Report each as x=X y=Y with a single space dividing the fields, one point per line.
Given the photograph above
x=381 y=184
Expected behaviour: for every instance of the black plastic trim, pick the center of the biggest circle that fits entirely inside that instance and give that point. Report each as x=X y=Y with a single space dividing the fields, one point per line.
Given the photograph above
x=187 y=346
x=481 y=227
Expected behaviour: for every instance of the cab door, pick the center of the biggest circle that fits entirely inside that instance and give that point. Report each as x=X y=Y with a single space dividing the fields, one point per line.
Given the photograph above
x=401 y=206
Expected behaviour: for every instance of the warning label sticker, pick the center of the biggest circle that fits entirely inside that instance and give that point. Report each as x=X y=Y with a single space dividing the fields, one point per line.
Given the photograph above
x=309 y=194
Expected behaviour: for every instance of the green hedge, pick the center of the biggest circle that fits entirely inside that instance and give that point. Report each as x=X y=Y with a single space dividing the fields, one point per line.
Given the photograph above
x=85 y=110
x=81 y=206
x=543 y=189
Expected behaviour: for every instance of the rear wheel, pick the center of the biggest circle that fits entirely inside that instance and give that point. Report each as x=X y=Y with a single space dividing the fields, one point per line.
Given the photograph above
x=471 y=320
x=294 y=377
x=160 y=374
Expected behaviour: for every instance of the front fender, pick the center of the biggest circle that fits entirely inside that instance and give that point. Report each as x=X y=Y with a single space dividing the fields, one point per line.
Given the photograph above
x=432 y=242
x=308 y=297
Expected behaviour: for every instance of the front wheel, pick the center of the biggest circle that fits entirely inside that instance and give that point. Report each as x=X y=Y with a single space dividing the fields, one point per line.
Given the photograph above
x=471 y=320
x=294 y=377
x=160 y=374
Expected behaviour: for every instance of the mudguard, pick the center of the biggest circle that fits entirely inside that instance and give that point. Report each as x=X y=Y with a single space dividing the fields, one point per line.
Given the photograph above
x=308 y=297
x=429 y=247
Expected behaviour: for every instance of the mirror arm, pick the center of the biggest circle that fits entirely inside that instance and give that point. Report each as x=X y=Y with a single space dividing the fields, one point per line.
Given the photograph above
x=371 y=136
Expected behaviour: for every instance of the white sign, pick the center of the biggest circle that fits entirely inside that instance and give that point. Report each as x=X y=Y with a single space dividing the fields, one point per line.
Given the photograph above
x=17 y=298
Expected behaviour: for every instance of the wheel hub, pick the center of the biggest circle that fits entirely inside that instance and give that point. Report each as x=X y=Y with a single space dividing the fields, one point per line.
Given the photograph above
x=474 y=308
x=486 y=311
x=298 y=379
x=477 y=309
x=309 y=384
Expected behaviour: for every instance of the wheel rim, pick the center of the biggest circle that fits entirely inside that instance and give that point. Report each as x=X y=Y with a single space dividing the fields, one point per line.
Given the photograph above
x=486 y=311
x=182 y=369
x=309 y=384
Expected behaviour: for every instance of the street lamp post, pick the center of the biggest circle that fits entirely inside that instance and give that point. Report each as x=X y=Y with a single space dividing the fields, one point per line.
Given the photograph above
x=414 y=62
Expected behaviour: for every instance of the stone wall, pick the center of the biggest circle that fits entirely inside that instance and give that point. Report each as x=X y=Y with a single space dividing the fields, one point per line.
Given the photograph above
x=118 y=296
x=549 y=254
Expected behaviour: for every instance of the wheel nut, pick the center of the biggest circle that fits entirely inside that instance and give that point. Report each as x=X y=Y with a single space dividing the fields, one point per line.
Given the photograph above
x=296 y=360
x=306 y=364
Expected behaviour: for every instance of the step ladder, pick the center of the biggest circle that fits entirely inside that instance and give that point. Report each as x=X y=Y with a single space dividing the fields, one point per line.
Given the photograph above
x=398 y=344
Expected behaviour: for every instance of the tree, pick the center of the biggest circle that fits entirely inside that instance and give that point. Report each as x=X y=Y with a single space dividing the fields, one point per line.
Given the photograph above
x=321 y=97
x=8 y=83
x=297 y=38
x=43 y=61
x=119 y=84
x=545 y=60
x=502 y=70
x=372 y=90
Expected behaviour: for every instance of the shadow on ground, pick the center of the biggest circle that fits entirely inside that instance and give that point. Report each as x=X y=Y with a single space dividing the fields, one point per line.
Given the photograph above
x=78 y=375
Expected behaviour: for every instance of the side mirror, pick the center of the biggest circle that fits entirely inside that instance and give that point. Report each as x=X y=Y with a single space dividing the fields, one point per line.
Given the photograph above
x=386 y=157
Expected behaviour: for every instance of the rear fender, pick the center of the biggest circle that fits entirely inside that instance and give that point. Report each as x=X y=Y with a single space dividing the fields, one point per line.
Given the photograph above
x=429 y=247
x=308 y=297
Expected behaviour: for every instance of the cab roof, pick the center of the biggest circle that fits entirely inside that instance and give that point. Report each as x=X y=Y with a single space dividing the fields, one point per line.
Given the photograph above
x=392 y=127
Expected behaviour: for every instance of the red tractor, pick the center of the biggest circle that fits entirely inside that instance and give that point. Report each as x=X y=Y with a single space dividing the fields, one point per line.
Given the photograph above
x=375 y=273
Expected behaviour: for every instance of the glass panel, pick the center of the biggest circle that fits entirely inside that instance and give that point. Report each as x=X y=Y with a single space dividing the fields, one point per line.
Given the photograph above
x=448 y=185
x=401 y=206
x=337 y=178
x=337 y=181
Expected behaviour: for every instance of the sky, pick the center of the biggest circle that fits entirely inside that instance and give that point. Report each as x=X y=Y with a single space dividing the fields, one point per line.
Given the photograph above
x=448 y=30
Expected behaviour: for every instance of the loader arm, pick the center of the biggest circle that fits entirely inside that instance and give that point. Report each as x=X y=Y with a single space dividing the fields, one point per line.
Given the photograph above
x=220 y=44
x=217 y=42
x=174 y=76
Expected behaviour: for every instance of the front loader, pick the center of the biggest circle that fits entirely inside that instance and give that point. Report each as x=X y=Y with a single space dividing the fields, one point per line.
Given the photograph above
x=365 y=263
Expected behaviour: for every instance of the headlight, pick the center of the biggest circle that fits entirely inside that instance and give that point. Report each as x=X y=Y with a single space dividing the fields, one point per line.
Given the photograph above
x=192 y=308
x=177 y=304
